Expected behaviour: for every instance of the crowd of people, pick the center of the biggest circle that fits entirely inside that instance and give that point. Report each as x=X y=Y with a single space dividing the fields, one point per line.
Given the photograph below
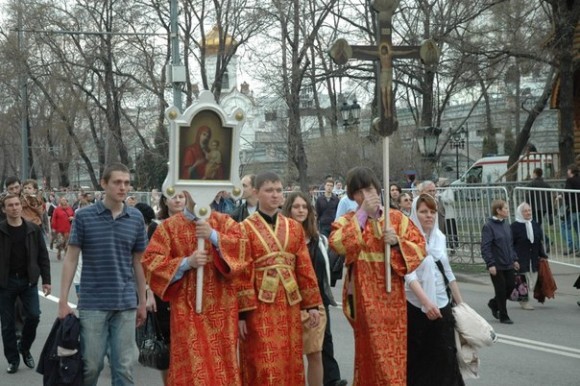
x=268 y=266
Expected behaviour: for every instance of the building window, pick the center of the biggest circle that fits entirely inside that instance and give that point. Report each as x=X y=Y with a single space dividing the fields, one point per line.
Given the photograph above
x=271 y=116
x=225 y=80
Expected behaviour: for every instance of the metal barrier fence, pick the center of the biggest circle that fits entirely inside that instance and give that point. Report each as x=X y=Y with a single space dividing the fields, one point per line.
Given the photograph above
x=558 y=213
x=467 y=208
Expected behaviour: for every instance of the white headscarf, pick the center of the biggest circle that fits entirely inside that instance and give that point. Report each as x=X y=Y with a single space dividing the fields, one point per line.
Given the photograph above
x=520 y=218
x=434 y=246
x=436 y=249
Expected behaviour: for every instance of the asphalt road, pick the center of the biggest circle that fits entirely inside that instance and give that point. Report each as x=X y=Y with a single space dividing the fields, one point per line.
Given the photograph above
x=541 y=348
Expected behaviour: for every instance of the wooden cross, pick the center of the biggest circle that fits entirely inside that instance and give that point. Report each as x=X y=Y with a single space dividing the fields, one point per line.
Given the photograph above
x=384 y=53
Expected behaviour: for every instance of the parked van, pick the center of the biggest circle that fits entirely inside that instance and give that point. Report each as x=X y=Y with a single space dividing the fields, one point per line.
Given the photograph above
x=488 y=170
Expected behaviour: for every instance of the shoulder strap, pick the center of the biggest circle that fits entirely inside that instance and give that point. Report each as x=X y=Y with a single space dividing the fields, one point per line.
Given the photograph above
x=440 y=266
x=323 y=240
x=323 y=246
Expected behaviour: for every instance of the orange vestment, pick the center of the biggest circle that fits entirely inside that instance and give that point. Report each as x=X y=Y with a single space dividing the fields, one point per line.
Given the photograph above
x=283 y=283
x=378 y=318
x=203 y=346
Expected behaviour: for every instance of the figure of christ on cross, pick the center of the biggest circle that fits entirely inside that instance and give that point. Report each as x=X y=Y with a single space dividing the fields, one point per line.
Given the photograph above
x=384 y=52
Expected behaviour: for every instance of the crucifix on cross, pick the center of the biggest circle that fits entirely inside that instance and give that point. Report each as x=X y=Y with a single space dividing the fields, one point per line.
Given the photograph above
x=384 y=53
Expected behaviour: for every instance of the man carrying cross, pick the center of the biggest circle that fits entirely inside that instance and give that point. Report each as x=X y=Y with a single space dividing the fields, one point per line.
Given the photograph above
x=378 y=317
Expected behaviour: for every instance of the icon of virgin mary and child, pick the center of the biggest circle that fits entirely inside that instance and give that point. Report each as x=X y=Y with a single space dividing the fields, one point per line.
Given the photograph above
x=202 y=160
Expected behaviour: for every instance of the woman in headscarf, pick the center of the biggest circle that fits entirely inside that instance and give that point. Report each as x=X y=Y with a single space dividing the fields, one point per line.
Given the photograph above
x=431 y=289
x=528 y=243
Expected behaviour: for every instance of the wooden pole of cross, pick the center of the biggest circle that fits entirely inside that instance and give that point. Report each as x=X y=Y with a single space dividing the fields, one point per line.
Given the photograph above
x=383 y=54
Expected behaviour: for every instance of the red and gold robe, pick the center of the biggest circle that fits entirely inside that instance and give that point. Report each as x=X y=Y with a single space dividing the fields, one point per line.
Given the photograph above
x=203 y=346
x=284 y=282
x=378 y=318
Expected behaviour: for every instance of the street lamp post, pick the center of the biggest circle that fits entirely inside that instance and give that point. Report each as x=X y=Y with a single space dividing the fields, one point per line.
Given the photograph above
x=458 y=142
x=430 y=138
x=78 y=174
x=350 y=115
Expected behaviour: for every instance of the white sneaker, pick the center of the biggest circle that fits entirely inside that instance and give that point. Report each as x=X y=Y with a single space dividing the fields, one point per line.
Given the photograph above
x=526 y=306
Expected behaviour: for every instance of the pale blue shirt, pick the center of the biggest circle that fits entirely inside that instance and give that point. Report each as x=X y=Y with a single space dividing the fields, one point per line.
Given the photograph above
x=184 y=266
x=345 y=205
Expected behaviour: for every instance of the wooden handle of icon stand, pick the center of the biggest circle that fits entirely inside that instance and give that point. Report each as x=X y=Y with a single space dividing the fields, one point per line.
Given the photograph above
x=387 y=198
x=199 y=284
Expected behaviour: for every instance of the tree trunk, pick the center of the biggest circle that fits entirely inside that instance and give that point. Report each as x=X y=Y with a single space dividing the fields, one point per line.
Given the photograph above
x=566 y=14
x=524 y=134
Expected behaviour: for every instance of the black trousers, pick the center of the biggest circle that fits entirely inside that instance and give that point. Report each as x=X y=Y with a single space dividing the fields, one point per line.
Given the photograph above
x=18 y=287
x=451 y=233
x=503 y=285
x=431 y=350
x=331 y=370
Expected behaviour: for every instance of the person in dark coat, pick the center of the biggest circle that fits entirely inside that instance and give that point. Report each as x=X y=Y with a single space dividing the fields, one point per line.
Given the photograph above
x=572 y=216
x=23 y=261
x=249 y=197
x=540 y=201
x=322 y=366
x=527 y=236
x=60 y=361
x=326 y=205
x=497 y=250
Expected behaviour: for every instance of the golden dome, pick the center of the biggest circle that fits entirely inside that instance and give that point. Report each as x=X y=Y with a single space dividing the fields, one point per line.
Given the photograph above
x=212 y=41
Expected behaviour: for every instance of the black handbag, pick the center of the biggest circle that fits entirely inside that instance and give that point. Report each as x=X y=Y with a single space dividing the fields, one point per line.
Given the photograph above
x=153 y=347
x=336 y=263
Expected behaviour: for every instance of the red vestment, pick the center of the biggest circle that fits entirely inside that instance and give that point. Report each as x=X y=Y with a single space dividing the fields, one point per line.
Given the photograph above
x=284 y=280
x=378 y=318
x=203 y=346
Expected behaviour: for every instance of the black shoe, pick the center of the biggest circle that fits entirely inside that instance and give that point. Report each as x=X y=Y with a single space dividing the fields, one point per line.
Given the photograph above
x=494 y=310
x=12 y=368
x=341 y=382
x=569 y=252
x=26 y=357
x=506 y=320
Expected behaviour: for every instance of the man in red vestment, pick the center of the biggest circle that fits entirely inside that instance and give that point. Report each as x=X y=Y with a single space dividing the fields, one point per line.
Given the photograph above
x=285 y=282
x=378 y=318
x=203 y=346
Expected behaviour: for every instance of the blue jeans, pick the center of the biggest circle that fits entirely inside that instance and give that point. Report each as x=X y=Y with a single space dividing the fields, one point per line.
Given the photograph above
x=570 y=220
x=18 y=287
x=113 y=329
